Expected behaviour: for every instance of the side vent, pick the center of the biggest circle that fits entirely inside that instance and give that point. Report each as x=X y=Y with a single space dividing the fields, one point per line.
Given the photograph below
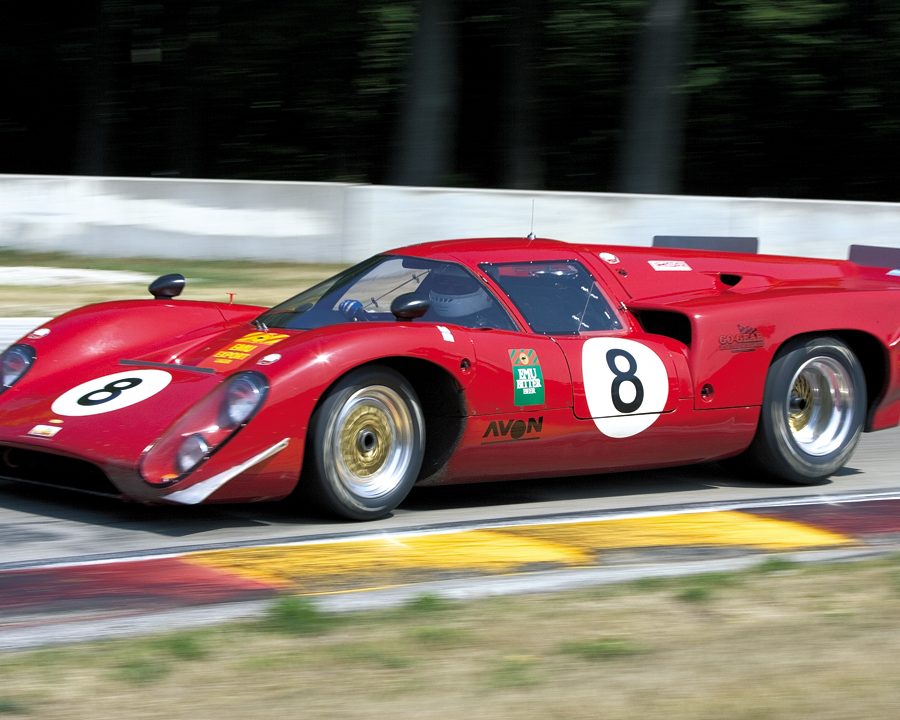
x=662 y=322
x=730 y=279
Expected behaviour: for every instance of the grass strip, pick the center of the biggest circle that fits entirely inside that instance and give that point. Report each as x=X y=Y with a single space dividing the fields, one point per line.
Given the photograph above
x=781 y=641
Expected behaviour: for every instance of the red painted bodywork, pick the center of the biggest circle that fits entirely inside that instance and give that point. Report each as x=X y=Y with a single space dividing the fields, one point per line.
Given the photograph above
x=715 y=322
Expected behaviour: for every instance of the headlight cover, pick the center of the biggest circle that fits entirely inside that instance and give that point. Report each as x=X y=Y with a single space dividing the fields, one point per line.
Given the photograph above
x=15 y=361
x=203 y=429
x=242 y=397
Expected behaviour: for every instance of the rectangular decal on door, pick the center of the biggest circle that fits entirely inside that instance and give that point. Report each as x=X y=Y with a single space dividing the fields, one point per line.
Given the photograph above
x=528 y=380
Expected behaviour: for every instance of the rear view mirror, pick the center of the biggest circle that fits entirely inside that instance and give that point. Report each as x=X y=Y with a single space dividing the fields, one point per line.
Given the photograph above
x=409 y=306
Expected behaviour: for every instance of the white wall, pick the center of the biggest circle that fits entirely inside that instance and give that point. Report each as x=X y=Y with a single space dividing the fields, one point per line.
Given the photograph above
x=333 y=222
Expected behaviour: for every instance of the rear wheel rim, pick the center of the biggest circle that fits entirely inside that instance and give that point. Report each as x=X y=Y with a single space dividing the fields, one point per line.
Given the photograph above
x=370 y=446
x=820 y=406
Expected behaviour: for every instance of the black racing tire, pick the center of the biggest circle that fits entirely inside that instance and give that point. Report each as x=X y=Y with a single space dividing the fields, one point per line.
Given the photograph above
x=365 y=445
x=813 y=411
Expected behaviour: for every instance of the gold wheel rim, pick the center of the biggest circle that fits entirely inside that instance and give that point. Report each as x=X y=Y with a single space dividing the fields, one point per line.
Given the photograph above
x=802 y=403
x=365 y=440
x=821 y=414
x=370 y=443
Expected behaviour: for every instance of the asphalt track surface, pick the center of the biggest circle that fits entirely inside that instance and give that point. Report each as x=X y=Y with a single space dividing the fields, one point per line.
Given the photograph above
x=41 y=526
x=75 y=567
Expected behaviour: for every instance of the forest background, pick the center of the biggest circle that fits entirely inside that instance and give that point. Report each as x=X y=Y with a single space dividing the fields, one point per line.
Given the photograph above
x=795 y=98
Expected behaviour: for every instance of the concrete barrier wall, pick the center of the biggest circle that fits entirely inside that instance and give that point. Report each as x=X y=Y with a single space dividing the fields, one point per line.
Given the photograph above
x=343 y=223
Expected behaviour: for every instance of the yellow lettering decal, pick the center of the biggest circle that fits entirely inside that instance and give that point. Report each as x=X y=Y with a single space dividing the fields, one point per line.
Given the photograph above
x=263 y=338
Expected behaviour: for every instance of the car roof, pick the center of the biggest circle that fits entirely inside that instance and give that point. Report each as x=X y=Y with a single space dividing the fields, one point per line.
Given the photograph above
x=487 y=249
x=641 y=271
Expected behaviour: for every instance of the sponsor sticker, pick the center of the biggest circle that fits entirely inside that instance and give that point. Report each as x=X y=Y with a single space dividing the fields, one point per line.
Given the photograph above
x=511 y=430
x=243 y=348
x=269 y=359
x=446 y=334
x=39 y=333
x=669 y=265
x=746 y=339
x=528 y=379
x=44 y=431
x=609 y=258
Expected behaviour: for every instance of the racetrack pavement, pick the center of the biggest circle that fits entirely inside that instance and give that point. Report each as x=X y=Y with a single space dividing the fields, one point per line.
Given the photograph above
x=49 y=604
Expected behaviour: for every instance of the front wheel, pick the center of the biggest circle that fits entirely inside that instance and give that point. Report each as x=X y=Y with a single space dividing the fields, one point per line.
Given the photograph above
x=813 y=411
x=367 y=441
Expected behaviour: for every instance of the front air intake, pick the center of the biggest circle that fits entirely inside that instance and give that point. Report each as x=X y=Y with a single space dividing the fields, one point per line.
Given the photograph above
x=33 y=466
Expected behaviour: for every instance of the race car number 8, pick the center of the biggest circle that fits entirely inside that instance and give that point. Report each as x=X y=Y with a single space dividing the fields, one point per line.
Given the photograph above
x=623 y=377
x=110 y=392
x=626 y=385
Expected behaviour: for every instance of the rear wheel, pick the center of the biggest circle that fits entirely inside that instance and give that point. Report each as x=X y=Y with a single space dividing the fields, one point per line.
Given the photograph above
x=367 y=441
x=813 y=411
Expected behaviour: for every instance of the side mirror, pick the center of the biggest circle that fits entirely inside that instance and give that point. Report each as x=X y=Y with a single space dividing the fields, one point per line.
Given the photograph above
x=167 y=286
x=409 y=306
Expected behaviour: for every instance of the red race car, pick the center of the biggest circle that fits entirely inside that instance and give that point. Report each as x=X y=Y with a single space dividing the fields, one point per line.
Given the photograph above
x=459 y=361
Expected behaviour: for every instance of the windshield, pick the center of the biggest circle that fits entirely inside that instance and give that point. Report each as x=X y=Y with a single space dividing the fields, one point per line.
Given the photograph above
x=364 y=293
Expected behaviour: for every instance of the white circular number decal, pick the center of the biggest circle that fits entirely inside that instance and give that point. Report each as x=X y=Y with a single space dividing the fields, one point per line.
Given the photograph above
x=625 y=383
x=110 y=392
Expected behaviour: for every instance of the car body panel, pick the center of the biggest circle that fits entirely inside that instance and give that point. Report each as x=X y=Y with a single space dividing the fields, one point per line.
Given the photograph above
x=678 y=377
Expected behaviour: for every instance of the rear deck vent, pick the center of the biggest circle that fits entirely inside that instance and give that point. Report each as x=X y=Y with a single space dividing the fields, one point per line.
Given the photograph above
x=662 y=322
x=730 y=279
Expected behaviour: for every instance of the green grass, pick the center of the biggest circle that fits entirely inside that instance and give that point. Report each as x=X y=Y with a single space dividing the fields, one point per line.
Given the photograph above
x=255 y=283
x=297 y=616
x=211 y=270
x=600 y=649
x=11 y=706
x=426 y=605
x=512 y=671
x=440 y=636
x=776 y=564
x=820 y=639
x=373 y=654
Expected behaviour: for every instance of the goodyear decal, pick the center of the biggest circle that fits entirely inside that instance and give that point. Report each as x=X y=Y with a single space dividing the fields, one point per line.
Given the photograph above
x=746 y=339
x=244 y=347
x=528 y=380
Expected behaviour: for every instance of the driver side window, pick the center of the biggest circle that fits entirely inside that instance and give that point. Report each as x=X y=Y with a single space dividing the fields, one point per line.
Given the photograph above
x=555 y=297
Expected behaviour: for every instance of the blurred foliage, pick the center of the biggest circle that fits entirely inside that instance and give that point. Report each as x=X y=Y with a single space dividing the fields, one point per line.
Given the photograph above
x=795 y=98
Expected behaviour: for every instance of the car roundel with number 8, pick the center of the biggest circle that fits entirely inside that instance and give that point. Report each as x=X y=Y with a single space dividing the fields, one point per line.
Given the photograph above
x=459 y=361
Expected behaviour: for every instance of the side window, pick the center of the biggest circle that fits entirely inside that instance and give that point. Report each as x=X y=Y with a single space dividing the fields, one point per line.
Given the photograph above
x=555 y=297
x=456 y=296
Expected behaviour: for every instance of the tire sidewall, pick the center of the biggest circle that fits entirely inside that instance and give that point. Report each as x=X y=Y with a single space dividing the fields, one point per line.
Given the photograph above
x=328 y=489
x=781 y=452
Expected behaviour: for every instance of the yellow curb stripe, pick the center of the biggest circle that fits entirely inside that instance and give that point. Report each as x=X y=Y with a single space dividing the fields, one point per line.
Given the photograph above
x=727 y=527
x=339 y=566
x=475 y=550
